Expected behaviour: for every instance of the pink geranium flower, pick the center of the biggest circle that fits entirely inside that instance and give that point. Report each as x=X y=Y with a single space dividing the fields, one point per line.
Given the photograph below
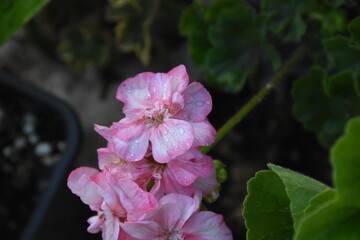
x=114 y=199
x=185 y=174
x=177 y=218
x=163 y=109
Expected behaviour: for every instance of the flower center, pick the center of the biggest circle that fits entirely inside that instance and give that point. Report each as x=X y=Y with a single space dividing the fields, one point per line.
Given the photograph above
x=174 y=235
x=158 y=112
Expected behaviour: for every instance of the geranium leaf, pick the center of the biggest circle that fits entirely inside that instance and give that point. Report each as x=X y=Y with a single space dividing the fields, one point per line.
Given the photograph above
x=267 y=208
x=16 y=13
x=299 y=188
x=354 y=29
x=319 y=200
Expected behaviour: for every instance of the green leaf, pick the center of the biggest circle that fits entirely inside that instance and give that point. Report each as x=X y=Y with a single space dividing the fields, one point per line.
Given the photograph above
x=267 y=208
x=299 y=188
x=332 y=21
x=338 y=217
x=325 y=104
x=227 y=40
x=354 y=29
x=345 y=157
x=285 y=17
x=15 y=14
x=341 y=54
x=336 y=3
x=319 y=200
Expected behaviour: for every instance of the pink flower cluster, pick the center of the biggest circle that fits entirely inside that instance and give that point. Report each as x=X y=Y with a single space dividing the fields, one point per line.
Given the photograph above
x=153 y=175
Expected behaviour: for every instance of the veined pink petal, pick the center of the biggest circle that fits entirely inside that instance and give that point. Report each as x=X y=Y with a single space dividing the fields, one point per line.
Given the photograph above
x=208 y=184
x=206 y=225
x=133 y=150
x=127 y=130
x=111 y=227
x=198 y=103
x=179 y=78
x=187 y=206
x=170 y=139
x=177 y=102
x=144 y=230
x=190 y=166
x=134 y=200
x=80 y=184
x=105 y=157
x=160 y=87
x=134 y=93
x=204 y=133
x=105 y=132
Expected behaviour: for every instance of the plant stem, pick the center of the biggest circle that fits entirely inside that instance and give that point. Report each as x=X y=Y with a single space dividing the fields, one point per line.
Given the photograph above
x=231 y=123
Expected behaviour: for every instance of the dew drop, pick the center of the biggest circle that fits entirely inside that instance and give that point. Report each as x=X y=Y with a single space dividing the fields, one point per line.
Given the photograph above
x=166 y=140
x=136 y=141
x=181 y=131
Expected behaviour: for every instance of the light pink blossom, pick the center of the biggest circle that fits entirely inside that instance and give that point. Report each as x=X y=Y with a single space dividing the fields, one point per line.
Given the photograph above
x=185 y=174
x=178 y=218
x=163 y=109
x=114 y=199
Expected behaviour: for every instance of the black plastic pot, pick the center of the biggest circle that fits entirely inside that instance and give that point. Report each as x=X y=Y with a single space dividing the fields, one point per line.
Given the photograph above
x=71 y=129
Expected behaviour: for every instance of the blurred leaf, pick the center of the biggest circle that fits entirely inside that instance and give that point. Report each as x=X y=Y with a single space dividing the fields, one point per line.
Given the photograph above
x=267 y=208
x=285 y=17
x=81 y=47
x=354 y=29
x=299 y=188
x=339 y=218
x=341 y=54
x=133 y=29
x=227 y=39
x=325 y=111
x=332 y=20
x=336 y=3
x=15 y=14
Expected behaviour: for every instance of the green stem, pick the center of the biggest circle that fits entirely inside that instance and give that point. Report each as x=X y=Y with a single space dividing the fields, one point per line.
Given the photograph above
x=231 y=123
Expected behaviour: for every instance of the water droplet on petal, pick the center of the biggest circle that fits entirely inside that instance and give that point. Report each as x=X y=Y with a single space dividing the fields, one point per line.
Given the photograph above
x=181 y=131
x=166 y=140
x=199 y=104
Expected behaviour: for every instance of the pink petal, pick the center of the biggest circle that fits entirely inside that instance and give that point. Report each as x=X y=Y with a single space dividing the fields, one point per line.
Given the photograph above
x=190 y=166
x=208 y=184
x=179 y=78
x=111 y=227
x=127 y=130
x=133 y=150
x=146 y=230
x=95 y=223
x=133 y=199
x=134 y=93
x=168 y=184
x=187 y=206
x=105 y=132
x=80 y=184
x=204 y=133
x=198 y=103
x=207 y=225
x=105 y=157
x=170 y=139
x=160 y=87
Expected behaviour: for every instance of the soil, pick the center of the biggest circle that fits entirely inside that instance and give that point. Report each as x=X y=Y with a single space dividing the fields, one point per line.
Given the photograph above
x=31 y=144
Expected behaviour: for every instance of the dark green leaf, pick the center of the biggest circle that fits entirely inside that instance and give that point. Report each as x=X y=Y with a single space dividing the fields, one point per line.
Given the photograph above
x=336 y=3
x=16 y=13
x=267 y=208
x=354 y=29
x=285 y=18
x=299 y=188
x=332 y=21
x=342 y=85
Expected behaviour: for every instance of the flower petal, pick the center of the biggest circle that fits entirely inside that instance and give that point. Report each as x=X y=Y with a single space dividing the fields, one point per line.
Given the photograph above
x=133 y=150
x=80 y=184
x=208 y=184
x=204 y=133
x=105 y=157
x=170 y=139
x=142 y=230
x=127 y=129
x=134 y=93
x=198 y=103
x=105 y=132
x=206 y=225
x=134 y=200
x=160 y=87
x=189 y=166
x=179 y=78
